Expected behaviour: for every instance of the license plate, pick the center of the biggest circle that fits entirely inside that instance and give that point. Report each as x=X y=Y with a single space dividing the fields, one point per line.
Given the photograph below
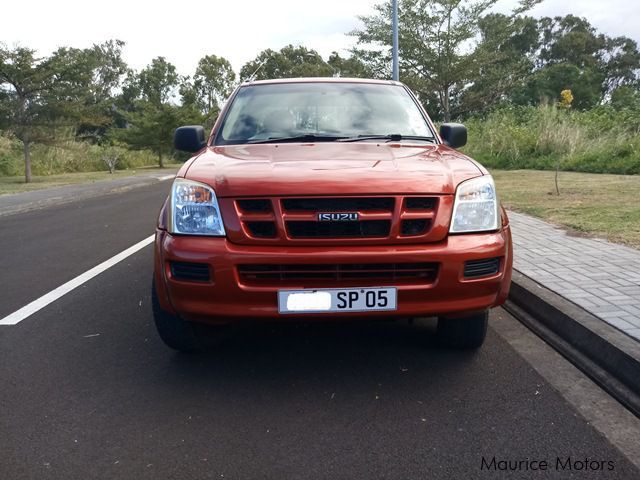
x=337 y=300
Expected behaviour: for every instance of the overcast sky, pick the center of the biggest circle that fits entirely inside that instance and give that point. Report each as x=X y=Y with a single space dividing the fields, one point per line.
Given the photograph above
x=185 y=31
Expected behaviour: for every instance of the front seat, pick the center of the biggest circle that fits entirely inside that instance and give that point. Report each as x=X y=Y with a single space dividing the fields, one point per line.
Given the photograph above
x=278 y=123
x=245 y=128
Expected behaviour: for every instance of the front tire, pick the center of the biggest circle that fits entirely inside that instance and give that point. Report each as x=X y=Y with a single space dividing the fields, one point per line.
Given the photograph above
x=465 y=332
x=174 y=332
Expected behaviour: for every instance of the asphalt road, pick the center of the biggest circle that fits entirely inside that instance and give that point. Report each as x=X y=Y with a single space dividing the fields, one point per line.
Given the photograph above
x=87 y=389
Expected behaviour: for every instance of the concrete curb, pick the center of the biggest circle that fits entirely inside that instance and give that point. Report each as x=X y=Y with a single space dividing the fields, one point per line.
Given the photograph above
x=605 y=354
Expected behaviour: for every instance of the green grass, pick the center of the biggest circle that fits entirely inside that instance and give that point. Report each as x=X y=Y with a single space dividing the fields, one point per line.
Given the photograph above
x=598 y=204
x=16 y=184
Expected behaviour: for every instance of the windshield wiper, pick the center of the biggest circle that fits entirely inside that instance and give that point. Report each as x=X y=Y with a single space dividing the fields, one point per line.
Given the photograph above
x=309 y=137
x=394 y=137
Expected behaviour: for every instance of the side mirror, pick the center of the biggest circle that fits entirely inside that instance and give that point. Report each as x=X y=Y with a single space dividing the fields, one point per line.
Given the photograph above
x=454 y=135
x=189 y=138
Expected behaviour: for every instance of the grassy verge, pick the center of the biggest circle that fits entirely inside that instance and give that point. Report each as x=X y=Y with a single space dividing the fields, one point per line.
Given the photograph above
x=69 y=155
x=10 y=185
x=598 y=204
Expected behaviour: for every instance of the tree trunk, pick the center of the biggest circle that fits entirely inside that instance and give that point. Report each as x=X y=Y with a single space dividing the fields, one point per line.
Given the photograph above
x=446 y=107
x=160 y=159
x=27 y=160
x=23 y=135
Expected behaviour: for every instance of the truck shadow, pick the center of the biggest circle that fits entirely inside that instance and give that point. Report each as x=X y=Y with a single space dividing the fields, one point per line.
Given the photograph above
x=332 y=357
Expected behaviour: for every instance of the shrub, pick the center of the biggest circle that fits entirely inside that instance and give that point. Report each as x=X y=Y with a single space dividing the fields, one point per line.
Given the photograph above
x=67 y=155
x=601 y=140
x=9 y=154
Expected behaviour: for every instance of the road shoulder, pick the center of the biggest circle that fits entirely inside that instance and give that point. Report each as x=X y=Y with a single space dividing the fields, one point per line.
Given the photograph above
x=34 y=200
x=598 y=408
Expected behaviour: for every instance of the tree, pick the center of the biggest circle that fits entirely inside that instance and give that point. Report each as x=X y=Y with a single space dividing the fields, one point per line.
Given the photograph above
x=569 y=57
x=107 y=70
x=547 y=83
x=213 y=82
x=289 y=62
x=572 y=55
x=23 y=96
x=40 y=94
x=431 y=34
x=151 y=127
x=349 y=67
x=622 y=64
x=501 y=63
x=154 y=118
x=151 y=115
x=437 y=43
x=158 y=82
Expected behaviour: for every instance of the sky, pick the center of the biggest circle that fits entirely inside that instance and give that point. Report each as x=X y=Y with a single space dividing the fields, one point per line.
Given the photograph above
x=236 y=29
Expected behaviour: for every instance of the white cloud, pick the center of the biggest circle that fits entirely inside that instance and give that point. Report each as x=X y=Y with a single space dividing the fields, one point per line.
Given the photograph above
x=237 y=30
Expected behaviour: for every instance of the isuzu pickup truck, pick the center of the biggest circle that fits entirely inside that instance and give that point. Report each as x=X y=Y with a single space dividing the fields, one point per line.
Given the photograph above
x=328 y=200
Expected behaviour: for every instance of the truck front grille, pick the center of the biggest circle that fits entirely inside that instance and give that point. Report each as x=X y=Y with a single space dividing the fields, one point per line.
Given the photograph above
x=295 y=220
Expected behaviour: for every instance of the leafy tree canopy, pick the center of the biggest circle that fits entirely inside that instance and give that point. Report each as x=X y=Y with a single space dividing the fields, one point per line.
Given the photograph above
x=158 y=81
x=290 y=62
x=68 y=88
x=437 y=40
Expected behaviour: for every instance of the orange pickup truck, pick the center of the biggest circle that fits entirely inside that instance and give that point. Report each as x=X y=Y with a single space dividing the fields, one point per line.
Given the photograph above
x=328 y=200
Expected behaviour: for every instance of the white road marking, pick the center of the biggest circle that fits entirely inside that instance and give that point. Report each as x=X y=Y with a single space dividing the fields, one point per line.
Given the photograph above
x=38 y=304
x=166 y=177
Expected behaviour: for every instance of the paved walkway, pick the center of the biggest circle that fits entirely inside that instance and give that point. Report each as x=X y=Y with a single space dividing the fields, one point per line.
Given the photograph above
x=601 y=277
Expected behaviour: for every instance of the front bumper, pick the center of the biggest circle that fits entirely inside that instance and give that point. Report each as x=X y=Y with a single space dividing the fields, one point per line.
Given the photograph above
x=226 y=299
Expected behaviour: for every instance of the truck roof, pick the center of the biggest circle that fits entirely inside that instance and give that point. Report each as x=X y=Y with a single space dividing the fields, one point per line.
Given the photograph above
x=321 y=79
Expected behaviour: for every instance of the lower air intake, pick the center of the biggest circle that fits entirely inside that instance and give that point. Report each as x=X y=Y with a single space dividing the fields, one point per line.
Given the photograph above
x=190 y=272
x=481 y=268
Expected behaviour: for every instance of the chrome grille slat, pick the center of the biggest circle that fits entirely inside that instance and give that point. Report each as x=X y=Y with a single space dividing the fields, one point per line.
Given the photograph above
x=357 y=229
x=332 y=204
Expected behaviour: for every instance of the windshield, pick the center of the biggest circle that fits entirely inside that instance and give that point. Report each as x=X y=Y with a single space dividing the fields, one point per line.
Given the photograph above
x=321 y=110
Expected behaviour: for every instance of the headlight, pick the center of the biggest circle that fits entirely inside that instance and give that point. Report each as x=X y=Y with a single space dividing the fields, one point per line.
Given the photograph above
x=194 y=209
x=476 y=206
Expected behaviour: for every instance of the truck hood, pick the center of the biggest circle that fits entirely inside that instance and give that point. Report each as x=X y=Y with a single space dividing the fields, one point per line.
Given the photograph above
x=331 y=168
